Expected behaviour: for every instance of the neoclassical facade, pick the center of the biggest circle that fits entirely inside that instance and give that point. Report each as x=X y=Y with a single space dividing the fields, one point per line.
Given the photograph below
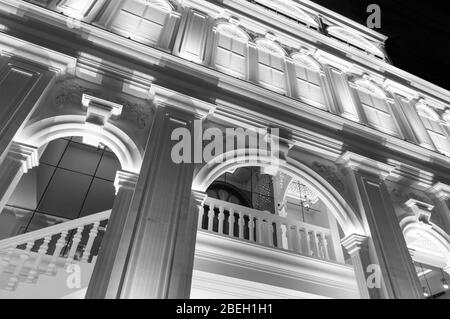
x=353 y=203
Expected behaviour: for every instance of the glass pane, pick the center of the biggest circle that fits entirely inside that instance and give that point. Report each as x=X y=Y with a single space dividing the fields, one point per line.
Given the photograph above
x=81 y=158
x=108 y=167
x=53 y=152
x=65 y=194
x=100 y=198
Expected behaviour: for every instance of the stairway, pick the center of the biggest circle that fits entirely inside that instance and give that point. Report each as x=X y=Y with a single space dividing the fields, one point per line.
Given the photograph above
x=54 y=262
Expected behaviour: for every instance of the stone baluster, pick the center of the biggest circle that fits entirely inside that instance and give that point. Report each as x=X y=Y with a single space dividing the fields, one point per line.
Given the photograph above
x=241 y=224
x=43 y=249
x=75 y=242
x=278 y=233
x=6 y=260
x=259 y=236
x=24 y=255
x=231 y=221
x=270 y=233
x=309 y=251
x=59 y=246
x=221 y=219
x=211 y=215
x=325 y=247
x=315 y=241
x=92 y=236
x=251 y=228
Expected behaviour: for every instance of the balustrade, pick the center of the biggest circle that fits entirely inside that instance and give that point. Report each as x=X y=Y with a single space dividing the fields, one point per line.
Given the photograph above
x=52 y=242
x=265 y=229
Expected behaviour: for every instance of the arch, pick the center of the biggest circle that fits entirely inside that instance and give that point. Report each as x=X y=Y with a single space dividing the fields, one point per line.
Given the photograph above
x=49 y=129
x=270 y=46
x=307 y=61
x=343 y=213
x=161 y=4
x=436 y=236
x=232 y=31
x=355 y=39
x=293 y=11
x=369 y=86
x=427 y=111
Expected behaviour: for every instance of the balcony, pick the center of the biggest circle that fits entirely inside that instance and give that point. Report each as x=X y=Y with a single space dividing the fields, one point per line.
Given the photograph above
x=246 y=253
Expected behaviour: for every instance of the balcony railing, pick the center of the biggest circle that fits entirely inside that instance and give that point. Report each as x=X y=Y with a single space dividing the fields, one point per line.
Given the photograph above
x=266 y=229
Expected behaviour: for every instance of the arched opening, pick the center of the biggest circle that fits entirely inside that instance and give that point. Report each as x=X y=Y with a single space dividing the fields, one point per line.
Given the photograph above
x=288 y=214
x=430 y=249
x=57 y=212
x=73 y=180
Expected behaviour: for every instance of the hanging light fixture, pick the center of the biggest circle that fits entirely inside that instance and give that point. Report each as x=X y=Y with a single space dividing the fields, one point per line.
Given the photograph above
x=306 y=195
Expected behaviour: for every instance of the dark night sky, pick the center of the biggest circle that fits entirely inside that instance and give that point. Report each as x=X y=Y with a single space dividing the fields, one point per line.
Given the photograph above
x=418 y=31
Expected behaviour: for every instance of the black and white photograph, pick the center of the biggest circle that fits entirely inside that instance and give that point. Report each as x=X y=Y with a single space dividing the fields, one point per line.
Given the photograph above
x=226 y=155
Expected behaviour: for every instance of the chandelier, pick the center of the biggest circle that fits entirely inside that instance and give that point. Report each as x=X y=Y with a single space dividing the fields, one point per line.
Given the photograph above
x=307 y=196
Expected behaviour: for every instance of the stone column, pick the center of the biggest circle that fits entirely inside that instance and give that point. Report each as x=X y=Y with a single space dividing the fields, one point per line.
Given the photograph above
x=19 y=159
x=358 y=249
x=105 y=280
x=387 y=246
x=183 y=262
x=158 y=263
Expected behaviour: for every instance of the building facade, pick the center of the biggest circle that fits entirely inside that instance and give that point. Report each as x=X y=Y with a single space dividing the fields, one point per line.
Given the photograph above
x=124 y=174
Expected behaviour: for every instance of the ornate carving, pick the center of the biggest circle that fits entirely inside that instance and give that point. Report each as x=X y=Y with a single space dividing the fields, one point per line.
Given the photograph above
x=330 y=173
x=401 y=196
x=135 y=112
x=70 y=92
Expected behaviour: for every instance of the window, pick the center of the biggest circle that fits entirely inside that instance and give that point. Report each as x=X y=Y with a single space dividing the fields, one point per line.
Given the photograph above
x=432 y=123
x=308 y=81
x=72 y=180
x=271 y=65
x=375 y=107
x=143 y=21
x=231 y=51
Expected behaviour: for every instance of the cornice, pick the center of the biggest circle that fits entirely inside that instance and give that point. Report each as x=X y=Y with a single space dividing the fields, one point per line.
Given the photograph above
x=56 y=61
x=357 y=162
x=162 y=96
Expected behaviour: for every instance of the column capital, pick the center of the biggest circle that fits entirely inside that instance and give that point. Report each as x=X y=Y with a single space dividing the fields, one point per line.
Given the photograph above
x=440 y=190
x=354 y=243
x=358 y=162
x=125 y=180
x=27 y=155
x=198 y=198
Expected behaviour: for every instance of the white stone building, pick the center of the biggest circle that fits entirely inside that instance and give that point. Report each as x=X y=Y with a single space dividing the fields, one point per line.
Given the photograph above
x=354 y=203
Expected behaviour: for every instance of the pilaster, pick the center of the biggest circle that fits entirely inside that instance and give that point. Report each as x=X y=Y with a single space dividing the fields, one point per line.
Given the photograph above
x=387 y=245
x=105 y=280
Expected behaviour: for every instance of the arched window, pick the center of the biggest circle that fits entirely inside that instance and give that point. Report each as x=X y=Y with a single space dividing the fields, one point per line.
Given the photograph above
x=308 y=82
x=142 y=20
x=231 y=50
x=271 y=65
x=354 y=39
x=375 y=107
x=289 y=10
x=432 y=123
